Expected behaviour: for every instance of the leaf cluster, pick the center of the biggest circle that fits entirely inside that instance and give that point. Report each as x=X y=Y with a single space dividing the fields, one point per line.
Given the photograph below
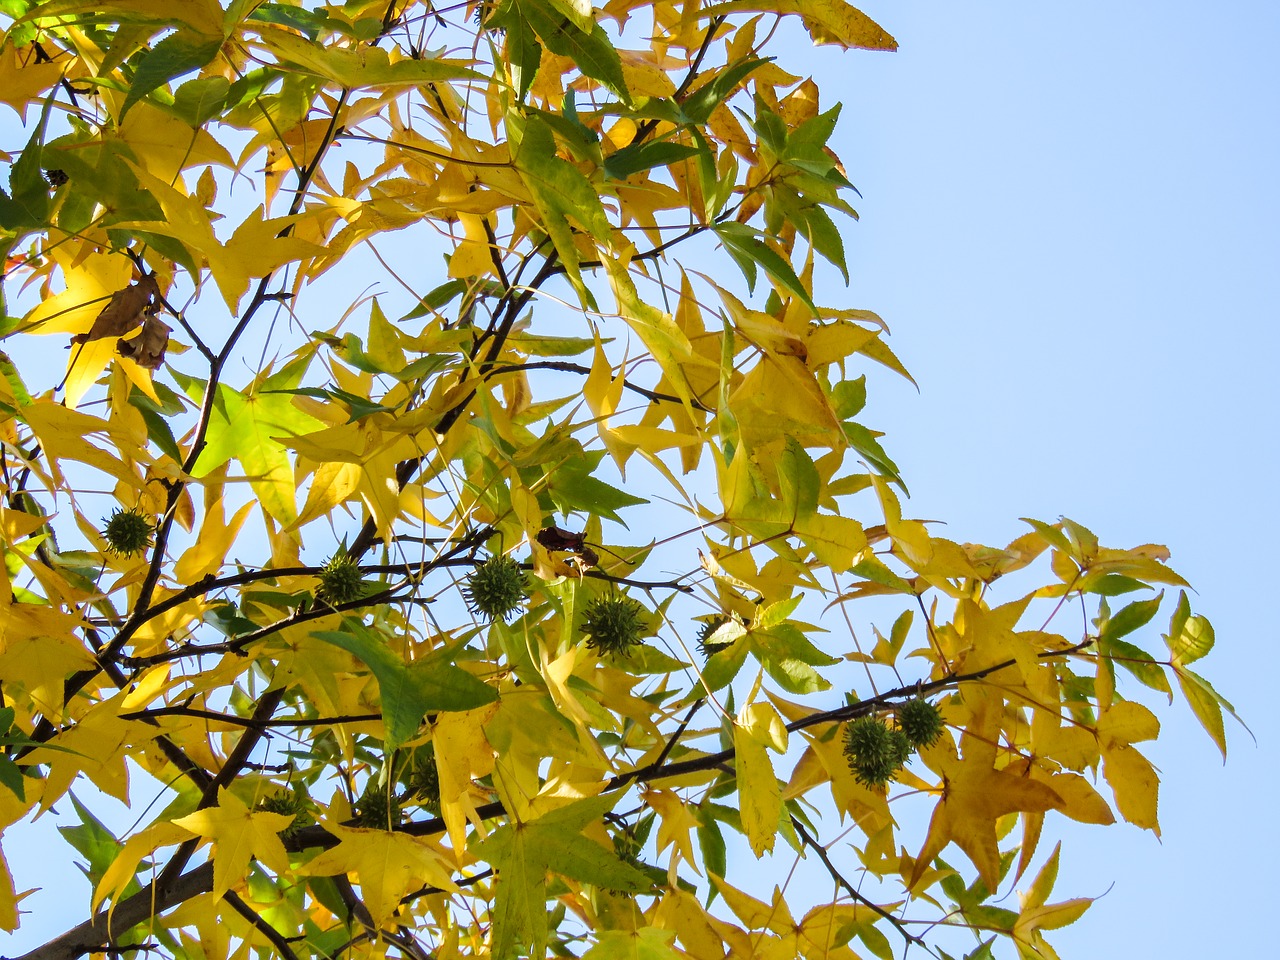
x=437 y=379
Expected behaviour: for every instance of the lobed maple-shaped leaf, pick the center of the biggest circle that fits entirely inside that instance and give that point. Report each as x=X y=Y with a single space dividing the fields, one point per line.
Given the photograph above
x=410 y=690
x=386 y=864
x=239 y=835
x=1132 y=777
x=974 y=796
x=523 y=852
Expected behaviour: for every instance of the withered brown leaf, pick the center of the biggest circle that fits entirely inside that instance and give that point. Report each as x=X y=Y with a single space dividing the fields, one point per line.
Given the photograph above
x=148 y=347
x=127 y=309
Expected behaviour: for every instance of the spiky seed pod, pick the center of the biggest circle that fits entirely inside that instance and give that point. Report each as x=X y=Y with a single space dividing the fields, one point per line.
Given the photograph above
x=495 y=589
x=378 y=810
x=921 y=723
x=626 y=845
x=424 y=781
x=876 y=752
x=614 y=625
x=706 y=644
x=128 y=532
x=291 y=803
x=340 y=580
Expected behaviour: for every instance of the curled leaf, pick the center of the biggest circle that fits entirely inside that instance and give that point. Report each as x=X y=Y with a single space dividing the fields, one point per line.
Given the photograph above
x=148 y=347
x=127 y=309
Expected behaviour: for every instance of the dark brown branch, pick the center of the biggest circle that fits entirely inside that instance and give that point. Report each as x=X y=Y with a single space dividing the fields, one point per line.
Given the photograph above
x=273 y=935
x=874 y=907
x=149 y=716
x=568 y=367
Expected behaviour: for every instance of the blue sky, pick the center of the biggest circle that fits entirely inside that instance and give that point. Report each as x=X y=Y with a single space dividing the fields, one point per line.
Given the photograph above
x=1069 y=222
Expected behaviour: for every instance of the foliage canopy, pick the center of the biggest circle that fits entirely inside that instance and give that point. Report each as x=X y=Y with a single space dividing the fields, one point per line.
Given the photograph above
x=468 y=613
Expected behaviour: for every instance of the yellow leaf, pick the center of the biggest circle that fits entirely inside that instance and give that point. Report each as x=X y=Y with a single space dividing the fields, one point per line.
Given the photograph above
x=8 y=899
x=40 y=664
x=23 y=78
x=974 y=796
x=117 y=876
x=681 y=912
x=463 y=754
x=828 y=21
x=759 y=799
x=677 y=822
x=473 y=257
x=238 y=834
x=764 y=723
x=206 y=555
x=165 y=145
x=387 y=864
x=1132 y=778
x=755 y=914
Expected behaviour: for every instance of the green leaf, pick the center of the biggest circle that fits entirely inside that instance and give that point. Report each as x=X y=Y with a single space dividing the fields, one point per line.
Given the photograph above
x=545 y=346
x=562 y=195
x=359 y=406
x=798 y=481
x=1204 y=704
x=172 y=57
x=11 y=777
x=1111 y=584
x=824 y=236
x=198 y=101
x=646 y=943
x=246 y=427
x=590 y=50
x=93 y=841
x=646 y=659
x=26 y=205
x=711 y=845
x=698 y=106
x=1130 y=618
x=747 y=249
x=1200 y=695
x=865 y=442
x=524 y=53
x=572 y=487
x=310 y=22
x=1050 y=534
x=1190 y=637
x=645 y=156
x=9 y=371
x=1138 y=662
x=158 y=429
x=409 y=691
x=522 y=853
x=721 y=667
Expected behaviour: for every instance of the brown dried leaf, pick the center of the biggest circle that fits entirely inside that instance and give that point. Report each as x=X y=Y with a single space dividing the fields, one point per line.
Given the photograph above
x=126 y=310
x=148 y=347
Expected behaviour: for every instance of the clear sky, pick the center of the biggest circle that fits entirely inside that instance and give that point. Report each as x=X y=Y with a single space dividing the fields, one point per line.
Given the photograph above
x=1070 y=223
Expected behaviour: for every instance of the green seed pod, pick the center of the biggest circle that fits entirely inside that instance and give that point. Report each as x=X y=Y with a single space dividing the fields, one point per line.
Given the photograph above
x=128 y=532
x=614 y=625
x=921 y=722
x=424 y=781
x=378 y=809
x=340 y=580
x=706 y=642
x=495 y=589
x=876 y=752
x=292 y=803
